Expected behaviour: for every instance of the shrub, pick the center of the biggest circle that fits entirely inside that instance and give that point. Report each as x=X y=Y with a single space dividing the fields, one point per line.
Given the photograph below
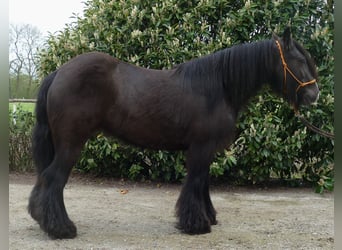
x=103 y=156
x=107 y=157
x=20 y=126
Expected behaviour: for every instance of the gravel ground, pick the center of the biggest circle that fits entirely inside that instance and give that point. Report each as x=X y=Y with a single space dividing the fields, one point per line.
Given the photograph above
x=121 y=215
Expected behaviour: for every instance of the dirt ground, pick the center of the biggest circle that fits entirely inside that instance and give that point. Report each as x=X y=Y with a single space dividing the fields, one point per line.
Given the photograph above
x=121 y=215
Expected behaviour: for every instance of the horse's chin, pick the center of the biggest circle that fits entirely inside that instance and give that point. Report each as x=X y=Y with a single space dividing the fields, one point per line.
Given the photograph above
x=309 y=98
x=305 y=103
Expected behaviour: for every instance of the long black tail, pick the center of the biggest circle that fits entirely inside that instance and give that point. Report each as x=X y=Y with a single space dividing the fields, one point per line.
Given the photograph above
x=42 y=146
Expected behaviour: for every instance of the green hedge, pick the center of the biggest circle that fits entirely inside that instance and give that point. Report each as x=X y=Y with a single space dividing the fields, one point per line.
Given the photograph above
x=159 y=34
x=21 y=122
x=106 y=157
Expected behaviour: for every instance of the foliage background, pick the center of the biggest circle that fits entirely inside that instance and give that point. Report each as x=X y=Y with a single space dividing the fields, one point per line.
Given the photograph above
x=159 y=34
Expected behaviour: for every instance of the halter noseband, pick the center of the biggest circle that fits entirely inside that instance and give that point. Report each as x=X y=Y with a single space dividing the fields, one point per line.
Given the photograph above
x=286 y=68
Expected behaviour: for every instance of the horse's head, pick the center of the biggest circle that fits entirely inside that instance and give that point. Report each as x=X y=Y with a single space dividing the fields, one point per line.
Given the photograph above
x=295 y=71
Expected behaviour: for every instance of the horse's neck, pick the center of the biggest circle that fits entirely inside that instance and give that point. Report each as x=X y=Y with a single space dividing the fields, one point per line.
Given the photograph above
x=248 y=67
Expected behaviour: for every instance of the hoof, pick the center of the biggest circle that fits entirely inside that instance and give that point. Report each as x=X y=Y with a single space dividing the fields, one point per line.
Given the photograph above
x=51 y=216
x=68 y=231
x=197 y=226
x=213 y=221
x=212 y=218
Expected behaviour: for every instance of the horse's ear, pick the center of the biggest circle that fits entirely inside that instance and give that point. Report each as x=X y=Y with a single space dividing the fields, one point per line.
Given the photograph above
x=287 y=38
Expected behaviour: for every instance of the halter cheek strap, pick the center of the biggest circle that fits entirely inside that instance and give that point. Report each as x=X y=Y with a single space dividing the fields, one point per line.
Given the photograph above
x=286 y=68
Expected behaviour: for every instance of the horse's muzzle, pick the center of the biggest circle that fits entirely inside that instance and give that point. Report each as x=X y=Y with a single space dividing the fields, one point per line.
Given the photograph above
x=309 y=96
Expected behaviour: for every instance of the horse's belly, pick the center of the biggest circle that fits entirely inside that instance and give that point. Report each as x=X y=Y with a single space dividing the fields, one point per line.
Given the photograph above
x=153 y=141
x=149 y=134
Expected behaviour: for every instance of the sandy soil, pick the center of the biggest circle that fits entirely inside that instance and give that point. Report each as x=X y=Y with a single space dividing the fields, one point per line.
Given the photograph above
x=121 y=215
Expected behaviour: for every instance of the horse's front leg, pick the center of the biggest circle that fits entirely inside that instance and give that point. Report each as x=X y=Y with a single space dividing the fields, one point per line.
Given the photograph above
x=194 y=209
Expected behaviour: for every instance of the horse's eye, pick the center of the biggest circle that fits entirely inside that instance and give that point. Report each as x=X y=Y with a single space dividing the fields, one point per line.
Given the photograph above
x=301 y=60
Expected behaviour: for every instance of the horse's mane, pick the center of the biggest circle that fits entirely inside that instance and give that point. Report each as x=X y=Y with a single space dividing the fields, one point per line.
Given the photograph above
x=234 y=73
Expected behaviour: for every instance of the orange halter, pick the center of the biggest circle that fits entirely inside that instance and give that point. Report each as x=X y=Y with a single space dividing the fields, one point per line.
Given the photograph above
x=286 y=68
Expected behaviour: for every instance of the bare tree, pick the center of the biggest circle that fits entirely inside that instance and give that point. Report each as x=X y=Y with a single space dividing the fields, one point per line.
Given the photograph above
x=16 y=61
x=24 y=43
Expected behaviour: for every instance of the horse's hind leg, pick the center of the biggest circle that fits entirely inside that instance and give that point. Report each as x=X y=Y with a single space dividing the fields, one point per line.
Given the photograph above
x=194 y=208
x=46 y=204
x=211 y=212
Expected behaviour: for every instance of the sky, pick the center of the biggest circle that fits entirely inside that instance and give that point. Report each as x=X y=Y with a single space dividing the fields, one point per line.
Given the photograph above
x=46 y=15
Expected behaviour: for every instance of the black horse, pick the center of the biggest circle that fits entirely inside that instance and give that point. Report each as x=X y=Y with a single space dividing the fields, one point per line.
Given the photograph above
x=192 y=107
